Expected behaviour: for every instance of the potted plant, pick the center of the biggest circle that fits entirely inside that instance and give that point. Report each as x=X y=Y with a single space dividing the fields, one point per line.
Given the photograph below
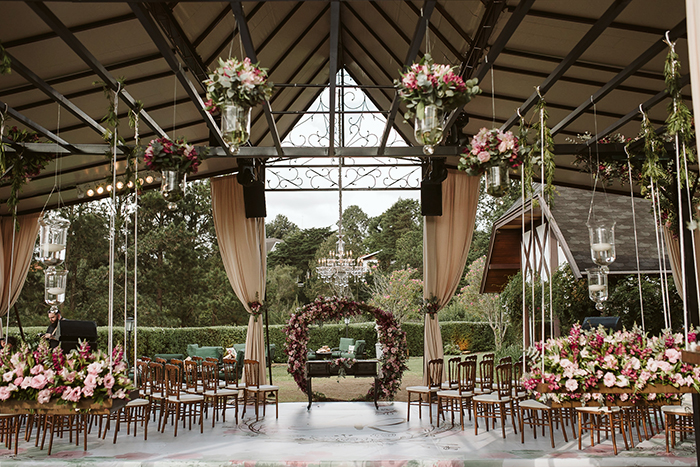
x=429 y=90
x=174 y=159
x=493 y=152
x=233 y=89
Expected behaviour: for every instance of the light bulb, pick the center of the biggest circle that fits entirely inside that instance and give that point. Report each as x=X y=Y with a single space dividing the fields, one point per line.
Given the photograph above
x=120 y=185
x=91 y=192
x=149 y=179
x=109 y=188
x=130 y=184
x=100 y=190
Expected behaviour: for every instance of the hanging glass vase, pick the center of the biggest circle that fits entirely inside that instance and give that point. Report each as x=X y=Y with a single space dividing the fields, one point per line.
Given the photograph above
x=497 y=180
x=428 y=128
x=53 y=234
x=597 y=286
x=602 y=241
x=171 y=187
x=55 y=287
x=235 y=126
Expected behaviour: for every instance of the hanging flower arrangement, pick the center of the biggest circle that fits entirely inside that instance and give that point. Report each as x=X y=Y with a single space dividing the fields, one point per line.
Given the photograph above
x=391 y=336
x=47 y=376
x=575 y=366
x=428 y=83
x=20 y=167
x=164 y=154
x=490 y=148
x=237 y=82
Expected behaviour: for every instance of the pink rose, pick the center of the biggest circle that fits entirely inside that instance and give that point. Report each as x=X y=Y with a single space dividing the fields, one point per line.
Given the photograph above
x=609 y=379
x=673 y=355
x=571 y=385
x=38 y=382
x=5 y=393
x=108 y=381
x=483 y=156
x=44 y=396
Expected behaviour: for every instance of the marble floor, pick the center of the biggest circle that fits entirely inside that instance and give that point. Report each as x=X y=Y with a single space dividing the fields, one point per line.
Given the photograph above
x=338 y=434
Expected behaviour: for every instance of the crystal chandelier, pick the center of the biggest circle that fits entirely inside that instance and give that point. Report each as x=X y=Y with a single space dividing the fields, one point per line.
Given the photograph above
x=339 y=266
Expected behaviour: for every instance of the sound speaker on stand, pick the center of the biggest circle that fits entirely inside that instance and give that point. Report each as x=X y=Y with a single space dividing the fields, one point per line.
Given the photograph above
x=430 y=198
x=254 y=200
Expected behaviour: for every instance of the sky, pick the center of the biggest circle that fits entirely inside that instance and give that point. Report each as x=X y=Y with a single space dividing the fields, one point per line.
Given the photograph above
x=320 y=209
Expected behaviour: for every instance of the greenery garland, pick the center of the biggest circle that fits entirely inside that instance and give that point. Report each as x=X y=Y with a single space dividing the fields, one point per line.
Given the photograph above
x=391 y=336
x=539 y=153
x=5 y=62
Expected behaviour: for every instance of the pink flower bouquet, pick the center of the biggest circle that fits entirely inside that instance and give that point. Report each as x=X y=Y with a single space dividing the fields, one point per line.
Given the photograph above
x=163 y=154
x=490 y=148
x=237 y=82
x=427 y=83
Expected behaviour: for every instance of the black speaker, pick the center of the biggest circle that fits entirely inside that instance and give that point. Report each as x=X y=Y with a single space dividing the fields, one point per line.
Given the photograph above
x=430 y=198
x=611 y=323
x=254 y=200
x=69 y=331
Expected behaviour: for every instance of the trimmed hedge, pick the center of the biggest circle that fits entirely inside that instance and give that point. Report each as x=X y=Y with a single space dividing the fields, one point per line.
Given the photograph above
x=468 y=336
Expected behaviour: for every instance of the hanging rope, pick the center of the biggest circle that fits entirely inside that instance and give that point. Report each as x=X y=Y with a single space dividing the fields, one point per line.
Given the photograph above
x=136 y=249
x=112 y=234
x=636 y=240
x=659 y=249
x=12 y=267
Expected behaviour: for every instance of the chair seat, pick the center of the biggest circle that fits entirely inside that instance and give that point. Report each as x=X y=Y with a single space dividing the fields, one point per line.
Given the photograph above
x=186 y=398
x=422 y=389
x=235 y=387
x=454 y=393
x=491 y=398
x=534 y=405
x=677 y=409
x=137 y=403
x=482 y=391
x=263 y=387
x=598 y=409
x=447 y=385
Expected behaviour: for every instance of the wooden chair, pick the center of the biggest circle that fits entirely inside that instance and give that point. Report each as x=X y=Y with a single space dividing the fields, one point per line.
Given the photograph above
x=180 y=402
x=536 y=414
x=677 y=419
x=597 y=419
x=452 y=374
x=484 y=382
x=9 y=429
x=256 y=392
x=462 y=396
x=217 y=396
x=230 y=367
x=435 y=368
x=496 y=405
x=191 y=381
x=60 y=424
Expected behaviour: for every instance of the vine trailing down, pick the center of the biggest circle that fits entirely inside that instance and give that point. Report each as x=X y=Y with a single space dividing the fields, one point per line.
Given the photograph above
x=391 y=336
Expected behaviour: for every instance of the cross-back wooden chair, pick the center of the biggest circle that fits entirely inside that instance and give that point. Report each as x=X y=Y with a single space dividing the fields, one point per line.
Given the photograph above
x=215 y=395
x=452 y=381
x=497 y=405
x=434 y=370
x=179 y=402
x=460 y=397
x=256 y=392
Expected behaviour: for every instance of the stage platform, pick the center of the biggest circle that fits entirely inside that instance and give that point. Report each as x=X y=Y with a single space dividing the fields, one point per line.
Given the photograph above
x=338 y=434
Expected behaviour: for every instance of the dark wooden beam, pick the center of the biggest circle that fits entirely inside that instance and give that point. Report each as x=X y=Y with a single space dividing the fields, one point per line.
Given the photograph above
x=332 y=72
x=38 y=128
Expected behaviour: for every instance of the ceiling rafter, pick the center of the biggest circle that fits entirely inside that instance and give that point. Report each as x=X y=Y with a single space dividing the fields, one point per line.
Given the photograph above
x=494 y=51
x=79 y=49
x=172 y=29
x=38 y=128
x=212 y=26
x=586 y=41
x=685 y=79
x=229 y=39
x=149 y=25
x=418 y=35
x=640 y=61
x=437 y=33
x=332 y=72
x=54 y=95
x=455 y=25
x=244 y=34
x=374 y=35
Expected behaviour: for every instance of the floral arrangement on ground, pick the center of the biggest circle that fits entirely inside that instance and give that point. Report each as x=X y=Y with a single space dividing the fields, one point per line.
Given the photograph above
x=237 y=82
x=428 y=83
x=164 y=154
x=575 y=366
x=489 y=148
x=391 y=336
x=48 y=375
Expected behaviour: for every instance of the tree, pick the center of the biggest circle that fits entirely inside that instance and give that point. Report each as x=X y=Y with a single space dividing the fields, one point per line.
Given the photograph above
x=400 y=292
x=484 y=307
x=280 y=227
x=385 y=230
x=355 y=224
x=409 y=251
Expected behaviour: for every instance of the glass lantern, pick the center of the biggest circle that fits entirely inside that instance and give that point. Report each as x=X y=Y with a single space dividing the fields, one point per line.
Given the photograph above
x=428 y=129
x=597 y=286
x=53 y=234
x=602 y=241
x=497 y=180
x=55 y=288
x=171 y=187
x=235 y=126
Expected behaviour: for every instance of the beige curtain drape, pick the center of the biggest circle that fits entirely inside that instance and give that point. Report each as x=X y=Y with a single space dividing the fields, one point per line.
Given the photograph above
x=446 y=241
x=673 y=247
x=14 y=270
x=242 y=245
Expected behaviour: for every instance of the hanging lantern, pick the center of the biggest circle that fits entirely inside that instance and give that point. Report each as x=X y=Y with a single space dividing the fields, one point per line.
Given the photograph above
x=497 y=180
x=428 y=129
x=55 y=287
x=171 y=188
x=602 y=240
x=235 y=126
x=53 y=234
x=597 y=286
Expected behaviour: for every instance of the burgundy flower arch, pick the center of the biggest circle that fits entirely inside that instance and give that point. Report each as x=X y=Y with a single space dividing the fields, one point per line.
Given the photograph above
x=391 y=336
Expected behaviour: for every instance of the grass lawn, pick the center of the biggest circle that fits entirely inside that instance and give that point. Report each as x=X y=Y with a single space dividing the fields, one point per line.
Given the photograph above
x=342 y=389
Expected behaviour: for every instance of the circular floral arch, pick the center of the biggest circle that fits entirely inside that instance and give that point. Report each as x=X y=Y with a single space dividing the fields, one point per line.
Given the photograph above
x=391 y=336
